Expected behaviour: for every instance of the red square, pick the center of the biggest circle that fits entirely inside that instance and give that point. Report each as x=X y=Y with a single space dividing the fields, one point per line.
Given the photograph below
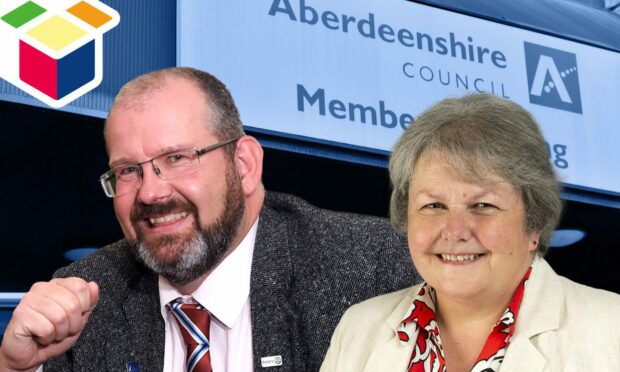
x=38 y=69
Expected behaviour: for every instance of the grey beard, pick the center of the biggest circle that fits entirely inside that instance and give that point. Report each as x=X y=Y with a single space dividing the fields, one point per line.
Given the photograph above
x=191 y=262
x=200 y=253
x=207 y=245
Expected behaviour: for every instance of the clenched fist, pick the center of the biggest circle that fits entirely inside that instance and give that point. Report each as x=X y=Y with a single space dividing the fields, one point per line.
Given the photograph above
x=47 y=322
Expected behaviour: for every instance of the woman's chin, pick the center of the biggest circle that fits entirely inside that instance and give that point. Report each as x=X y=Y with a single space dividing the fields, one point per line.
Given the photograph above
x=462 y=290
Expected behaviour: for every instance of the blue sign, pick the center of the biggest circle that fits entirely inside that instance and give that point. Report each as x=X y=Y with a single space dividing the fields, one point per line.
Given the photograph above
x=356 y=73
x=552 y=77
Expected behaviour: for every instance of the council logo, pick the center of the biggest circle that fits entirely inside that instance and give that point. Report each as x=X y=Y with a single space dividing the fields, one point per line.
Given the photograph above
x=53 y=49
x=553 y=77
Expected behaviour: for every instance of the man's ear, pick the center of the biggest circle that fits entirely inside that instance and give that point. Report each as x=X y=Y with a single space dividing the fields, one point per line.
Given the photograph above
x=249 y=161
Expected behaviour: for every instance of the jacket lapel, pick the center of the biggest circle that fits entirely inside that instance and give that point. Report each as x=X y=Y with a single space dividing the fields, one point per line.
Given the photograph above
x=389 y=350
x=541 y=312
x=389 y=353
x=522 y=355
x=146 y=334
x=273 y=316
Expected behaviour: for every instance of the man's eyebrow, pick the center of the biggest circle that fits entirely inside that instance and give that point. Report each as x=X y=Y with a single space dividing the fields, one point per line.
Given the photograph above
x=121 y=161
x=161 y=151
x=167 y=149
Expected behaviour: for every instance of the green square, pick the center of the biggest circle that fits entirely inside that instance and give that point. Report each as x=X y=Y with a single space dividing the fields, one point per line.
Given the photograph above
x=23 y=14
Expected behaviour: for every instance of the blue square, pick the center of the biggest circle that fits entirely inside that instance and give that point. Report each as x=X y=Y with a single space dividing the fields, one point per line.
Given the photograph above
x=553 y=78
x=76 y=69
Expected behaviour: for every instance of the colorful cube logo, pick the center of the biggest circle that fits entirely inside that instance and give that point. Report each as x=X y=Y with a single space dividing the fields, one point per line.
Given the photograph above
x=53 y=49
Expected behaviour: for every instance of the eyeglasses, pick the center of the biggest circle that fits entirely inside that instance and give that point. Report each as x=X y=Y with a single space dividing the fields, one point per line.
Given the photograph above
x=174 y=164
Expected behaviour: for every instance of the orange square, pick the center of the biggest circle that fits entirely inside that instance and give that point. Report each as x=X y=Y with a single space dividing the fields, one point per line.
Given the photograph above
x=89 y=14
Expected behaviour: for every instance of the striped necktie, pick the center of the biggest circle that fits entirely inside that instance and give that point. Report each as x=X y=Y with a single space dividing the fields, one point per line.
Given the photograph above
x=194 y=321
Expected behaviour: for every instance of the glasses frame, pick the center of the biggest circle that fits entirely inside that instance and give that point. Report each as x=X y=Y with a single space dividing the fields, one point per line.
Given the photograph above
x=199 y=152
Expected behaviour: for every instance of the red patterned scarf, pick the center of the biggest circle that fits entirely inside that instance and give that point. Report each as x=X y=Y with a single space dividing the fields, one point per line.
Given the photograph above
x=421 y=325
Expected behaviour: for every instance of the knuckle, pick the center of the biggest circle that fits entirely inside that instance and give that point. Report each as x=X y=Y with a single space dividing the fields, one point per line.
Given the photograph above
x=46 y=330
x=57 y=317
x=73 y=305
x=27 y=297
x=77 y=285
x=28 y=300
x=39 y=287
x=20 y=312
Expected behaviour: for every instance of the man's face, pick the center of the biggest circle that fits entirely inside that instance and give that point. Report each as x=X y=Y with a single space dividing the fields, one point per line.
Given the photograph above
x=181 y=228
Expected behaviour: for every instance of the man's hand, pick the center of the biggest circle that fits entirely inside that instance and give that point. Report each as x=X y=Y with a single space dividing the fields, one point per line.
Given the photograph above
x=47 y=322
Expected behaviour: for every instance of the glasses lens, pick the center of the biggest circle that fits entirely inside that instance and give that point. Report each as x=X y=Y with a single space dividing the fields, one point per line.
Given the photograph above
x=108 y=182
x=177 y=164
x=120 y=180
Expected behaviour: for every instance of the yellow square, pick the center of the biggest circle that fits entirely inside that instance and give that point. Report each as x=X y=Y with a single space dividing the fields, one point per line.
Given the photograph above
x=56 y=33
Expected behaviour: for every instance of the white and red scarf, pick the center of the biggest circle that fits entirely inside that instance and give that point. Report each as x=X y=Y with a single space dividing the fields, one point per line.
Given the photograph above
x=420 y=326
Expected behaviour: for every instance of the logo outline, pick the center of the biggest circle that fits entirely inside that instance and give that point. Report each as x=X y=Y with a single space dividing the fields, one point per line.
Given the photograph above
x=79 y=14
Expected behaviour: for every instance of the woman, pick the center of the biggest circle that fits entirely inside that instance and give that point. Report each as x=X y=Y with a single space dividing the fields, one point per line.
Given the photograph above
x=477 y=197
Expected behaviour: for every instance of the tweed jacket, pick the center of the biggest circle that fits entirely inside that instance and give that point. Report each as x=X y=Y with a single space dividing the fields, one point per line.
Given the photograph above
x=562 y=326
x=309 y=266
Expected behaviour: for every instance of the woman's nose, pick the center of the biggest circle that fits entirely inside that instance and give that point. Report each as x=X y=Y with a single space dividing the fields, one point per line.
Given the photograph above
x=457 y=227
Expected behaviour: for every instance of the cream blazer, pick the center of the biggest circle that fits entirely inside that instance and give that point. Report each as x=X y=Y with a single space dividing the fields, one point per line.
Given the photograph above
x=562 y=326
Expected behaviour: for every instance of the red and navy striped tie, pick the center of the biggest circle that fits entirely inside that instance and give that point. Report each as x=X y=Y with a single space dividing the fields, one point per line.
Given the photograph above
x=194 y=321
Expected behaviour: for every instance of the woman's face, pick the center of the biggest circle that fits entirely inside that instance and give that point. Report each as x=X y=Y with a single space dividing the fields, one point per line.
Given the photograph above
x=467 y=240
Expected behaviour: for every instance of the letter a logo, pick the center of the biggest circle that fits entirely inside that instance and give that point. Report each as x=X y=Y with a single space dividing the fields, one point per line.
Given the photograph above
x=553 y=78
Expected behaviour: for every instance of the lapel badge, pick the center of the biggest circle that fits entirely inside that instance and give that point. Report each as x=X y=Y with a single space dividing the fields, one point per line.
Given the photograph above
x=133 y=366
x=271 y=361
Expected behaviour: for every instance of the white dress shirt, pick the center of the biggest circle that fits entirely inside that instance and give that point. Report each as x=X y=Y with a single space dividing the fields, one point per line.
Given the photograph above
x=226 y=294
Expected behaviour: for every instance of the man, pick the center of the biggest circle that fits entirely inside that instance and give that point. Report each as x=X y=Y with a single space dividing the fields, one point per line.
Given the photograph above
x=274 y=272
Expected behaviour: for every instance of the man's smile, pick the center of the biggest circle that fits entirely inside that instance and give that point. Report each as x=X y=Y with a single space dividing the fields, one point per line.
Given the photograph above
x=169 y=218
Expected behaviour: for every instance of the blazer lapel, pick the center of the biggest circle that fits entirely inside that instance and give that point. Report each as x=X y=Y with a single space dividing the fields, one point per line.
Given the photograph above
x=274 y=324
x=146 y=334
x=540 y=312
x=390 y=351
x=522 y=355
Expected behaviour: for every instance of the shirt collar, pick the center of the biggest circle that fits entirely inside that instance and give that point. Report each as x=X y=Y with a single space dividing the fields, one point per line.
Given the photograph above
x=225 y=291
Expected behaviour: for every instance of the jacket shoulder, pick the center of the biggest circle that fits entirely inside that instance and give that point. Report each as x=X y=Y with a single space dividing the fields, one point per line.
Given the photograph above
x=346 y=247
x=114 y=268
x=588 y=329
x=105 y=263
x=309 y=219
x=379 y=308
x=587 y=301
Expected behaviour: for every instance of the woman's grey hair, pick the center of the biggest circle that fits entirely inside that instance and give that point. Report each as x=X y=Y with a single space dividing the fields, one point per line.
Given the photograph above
x=482 y=137
x=222 y=116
